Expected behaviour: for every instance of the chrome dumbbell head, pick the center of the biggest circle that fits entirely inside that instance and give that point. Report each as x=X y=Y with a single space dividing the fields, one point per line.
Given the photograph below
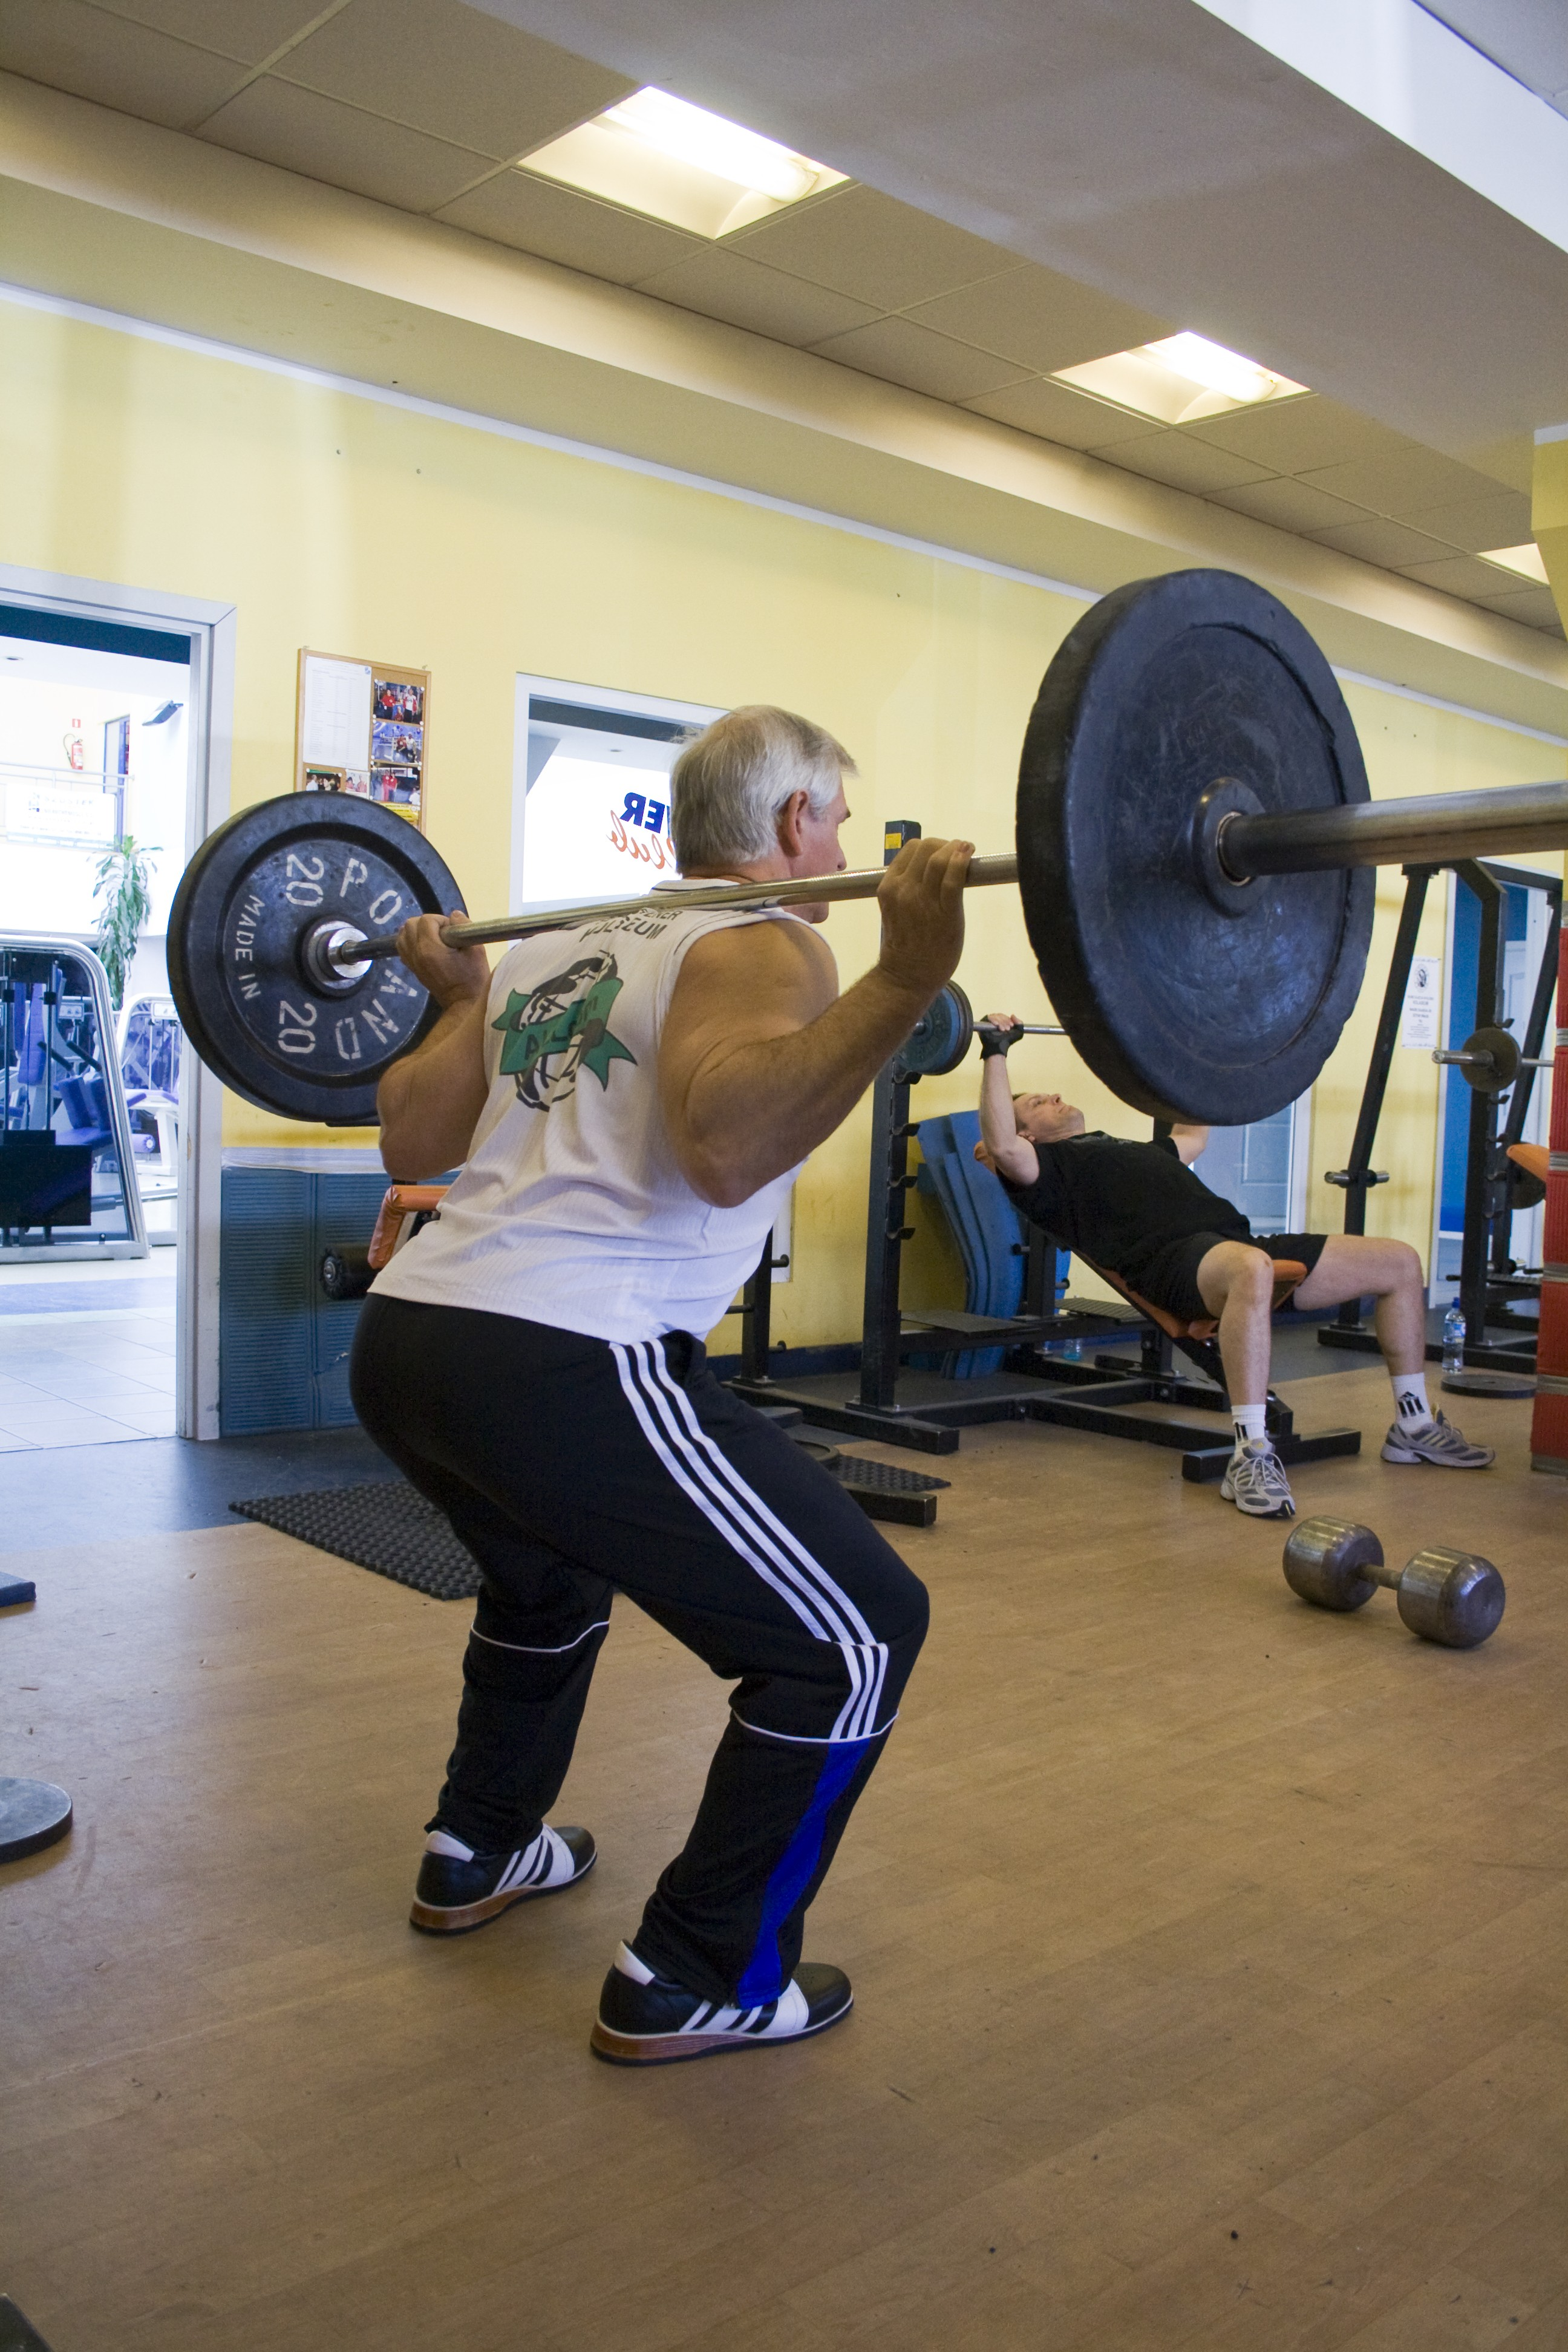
x=1332 y=1563
x=1452 y=1597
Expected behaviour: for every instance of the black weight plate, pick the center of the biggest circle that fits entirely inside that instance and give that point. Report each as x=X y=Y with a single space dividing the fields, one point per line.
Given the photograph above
x=247 y=900
x=1185 y=1009
x=33 y=1814
x=940 y=1038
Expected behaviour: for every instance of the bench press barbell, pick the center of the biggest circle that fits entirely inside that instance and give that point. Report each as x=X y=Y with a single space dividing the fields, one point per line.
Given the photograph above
x=1453 y=1598
x=1489 y=1060
x=1194 y=845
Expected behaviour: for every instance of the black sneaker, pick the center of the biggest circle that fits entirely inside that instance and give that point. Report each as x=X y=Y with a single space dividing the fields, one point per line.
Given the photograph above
x=458 y=1889
x=646 y=2021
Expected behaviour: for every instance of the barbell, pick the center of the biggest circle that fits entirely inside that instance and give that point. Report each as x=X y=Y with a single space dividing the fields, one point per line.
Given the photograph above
x=1195 y=841
x=1489 y=1060
x=946 y=1030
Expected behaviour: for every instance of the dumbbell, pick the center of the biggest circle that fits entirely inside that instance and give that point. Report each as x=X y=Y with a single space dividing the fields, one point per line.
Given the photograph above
x=1455 y=1598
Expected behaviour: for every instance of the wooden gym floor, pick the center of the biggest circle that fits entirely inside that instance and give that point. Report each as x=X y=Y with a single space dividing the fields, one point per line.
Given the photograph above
x=1209 y=1954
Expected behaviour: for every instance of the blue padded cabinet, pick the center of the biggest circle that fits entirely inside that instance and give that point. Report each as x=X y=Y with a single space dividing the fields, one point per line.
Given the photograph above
x=283 y=1347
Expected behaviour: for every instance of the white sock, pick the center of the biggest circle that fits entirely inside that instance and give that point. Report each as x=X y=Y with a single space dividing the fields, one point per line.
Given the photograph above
x=1249 y=1424
x=1411 y=1409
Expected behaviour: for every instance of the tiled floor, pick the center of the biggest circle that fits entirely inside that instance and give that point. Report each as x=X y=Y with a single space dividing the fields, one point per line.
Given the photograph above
x=95 y=1374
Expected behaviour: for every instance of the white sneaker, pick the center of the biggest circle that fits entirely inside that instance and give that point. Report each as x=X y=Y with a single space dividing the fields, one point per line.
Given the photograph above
x=1256 y=1482
x=1440 y=1442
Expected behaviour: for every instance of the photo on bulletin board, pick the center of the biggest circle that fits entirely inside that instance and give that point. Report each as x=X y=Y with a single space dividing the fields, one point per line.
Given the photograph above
x=362 y=727
x=397 y=698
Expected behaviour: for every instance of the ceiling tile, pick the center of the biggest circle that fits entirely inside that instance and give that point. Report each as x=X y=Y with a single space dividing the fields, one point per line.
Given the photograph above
x=1401 y=483
x=1461 y=575
x=907 y=354
x=247 y=29
x=872 y=248
x=1039 y=319
x=1054 y=411
x=70 y=46
x=1185 y=464
x=1290 y=436
x=724 y=284
x=1391 y=544
x=280 y=123
x=1289 y=505
x=1502 y=519
x=452 y=71
x=559 y=225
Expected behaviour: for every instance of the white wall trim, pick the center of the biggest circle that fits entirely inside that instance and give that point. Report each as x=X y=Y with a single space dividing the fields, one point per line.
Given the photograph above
x=210 y=626
x=205 y=347
x=1458 y=710
x=594 y=453
x=307 y=1159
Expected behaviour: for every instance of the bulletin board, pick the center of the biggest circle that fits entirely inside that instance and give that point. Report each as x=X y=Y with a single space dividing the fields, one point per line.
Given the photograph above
x=362 y=727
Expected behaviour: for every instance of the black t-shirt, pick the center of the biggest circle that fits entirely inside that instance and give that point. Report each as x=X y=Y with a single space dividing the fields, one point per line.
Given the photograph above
x=1121 y=1203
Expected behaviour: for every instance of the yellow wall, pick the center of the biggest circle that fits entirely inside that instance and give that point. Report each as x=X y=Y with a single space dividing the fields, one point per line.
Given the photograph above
x=333 y=521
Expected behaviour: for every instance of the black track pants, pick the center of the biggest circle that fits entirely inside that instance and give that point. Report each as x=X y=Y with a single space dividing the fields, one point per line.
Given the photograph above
x=572 y=1467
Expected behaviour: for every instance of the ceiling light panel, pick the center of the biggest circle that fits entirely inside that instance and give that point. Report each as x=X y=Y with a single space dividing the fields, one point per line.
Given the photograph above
x=1527 y=561
x=657 y=154
x=1180 y=379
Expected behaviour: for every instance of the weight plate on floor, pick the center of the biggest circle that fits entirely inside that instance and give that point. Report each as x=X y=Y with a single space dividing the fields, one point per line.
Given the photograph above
x=280 y=1036
x=33 y=1814
x=1211 y=1003
x=940 y=1038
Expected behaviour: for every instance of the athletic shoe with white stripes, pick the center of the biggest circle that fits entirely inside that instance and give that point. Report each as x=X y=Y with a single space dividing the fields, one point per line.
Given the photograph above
x=646 y=2021
x=1255 y=1482
x=458 y=1889
x=1440 y=1442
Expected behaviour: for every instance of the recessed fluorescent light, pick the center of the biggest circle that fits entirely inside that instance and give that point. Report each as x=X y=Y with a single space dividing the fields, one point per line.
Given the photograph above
x=657 y=154
x=1180 y=379
x=1527 y=561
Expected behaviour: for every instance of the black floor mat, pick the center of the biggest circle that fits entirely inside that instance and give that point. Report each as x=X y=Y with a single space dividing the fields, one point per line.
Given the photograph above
x=389 y=1528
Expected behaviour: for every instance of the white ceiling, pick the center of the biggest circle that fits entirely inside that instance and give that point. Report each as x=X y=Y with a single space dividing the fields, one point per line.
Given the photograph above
x=1157 y=155
x=1529 y=38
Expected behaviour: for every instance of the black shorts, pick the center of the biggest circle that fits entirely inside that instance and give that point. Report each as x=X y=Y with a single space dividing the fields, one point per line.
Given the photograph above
x=1167 y=1275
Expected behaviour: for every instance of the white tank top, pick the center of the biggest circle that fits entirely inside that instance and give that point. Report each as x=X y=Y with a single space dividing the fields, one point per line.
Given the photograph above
x=570 y=1208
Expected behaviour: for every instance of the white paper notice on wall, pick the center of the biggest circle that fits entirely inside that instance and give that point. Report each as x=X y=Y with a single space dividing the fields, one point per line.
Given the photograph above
x=1423 y=1003
x=335 y=714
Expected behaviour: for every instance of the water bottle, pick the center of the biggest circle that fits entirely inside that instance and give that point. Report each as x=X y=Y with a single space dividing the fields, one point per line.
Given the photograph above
x=1454 y=1339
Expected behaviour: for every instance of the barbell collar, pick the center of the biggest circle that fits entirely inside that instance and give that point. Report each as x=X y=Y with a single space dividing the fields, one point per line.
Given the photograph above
x=1436 y=829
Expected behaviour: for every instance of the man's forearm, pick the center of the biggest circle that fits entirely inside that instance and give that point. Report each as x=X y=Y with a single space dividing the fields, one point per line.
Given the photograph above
x=752 y=1112
x=429 y=1102
x=998 y=1122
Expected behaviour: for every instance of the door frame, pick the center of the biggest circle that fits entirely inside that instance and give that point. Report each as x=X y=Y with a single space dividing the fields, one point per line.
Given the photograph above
x=211 y=627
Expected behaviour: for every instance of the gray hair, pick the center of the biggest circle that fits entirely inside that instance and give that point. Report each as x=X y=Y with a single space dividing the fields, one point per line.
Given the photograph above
x=730 y=782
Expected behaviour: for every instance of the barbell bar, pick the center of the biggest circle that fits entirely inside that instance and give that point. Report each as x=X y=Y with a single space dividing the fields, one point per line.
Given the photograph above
x=1433 y=829
x=1193 y=851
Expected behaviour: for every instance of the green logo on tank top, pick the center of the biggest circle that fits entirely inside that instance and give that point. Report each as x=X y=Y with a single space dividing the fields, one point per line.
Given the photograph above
x=562 y=1028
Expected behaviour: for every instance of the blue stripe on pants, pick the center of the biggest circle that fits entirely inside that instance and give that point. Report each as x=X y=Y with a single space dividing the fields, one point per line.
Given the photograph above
x=793 y=1873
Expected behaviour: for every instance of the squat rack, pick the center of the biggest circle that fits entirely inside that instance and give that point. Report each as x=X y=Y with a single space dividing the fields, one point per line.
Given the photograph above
x=1489 y=1282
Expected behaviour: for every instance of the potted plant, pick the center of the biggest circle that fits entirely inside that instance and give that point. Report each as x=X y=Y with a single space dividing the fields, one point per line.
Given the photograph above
x=125 y=885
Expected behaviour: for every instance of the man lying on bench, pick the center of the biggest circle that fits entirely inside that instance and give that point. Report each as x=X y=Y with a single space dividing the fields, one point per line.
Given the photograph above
x=1137 y=1211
